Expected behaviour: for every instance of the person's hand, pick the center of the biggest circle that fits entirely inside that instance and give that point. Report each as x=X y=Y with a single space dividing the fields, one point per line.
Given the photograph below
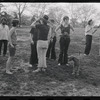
x=51 y=39
x=12 y=45
x=32 y=42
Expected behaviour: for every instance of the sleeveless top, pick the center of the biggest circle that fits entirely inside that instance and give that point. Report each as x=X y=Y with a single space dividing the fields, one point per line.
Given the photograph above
x=14 y=37
x=65 y=30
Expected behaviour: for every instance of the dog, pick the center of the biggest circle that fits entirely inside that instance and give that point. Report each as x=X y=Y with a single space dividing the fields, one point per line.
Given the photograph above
x=76 y=64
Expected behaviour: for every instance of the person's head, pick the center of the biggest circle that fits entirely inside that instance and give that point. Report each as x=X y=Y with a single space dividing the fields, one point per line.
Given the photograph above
x=45 y=19
x=15 y=23
x=52 y=21
x=3 y=21
x=66 y=19
x=90 y=22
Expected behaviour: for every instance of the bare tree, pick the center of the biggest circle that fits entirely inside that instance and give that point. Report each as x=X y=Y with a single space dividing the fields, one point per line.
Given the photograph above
x=38 y=9
x=81 y=12
x=84 y=13
x=56 y=13
x=21 y=7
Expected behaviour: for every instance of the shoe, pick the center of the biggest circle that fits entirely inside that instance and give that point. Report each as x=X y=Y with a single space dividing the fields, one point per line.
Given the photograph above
x=8 y=72
x=59 y=64
x=85 y=55
x=44 y=69
x=30 y=65
x=37 y=70
x=67 y=64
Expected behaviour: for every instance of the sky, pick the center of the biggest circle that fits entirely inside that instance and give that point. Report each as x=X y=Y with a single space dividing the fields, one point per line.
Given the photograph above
x=9 y=8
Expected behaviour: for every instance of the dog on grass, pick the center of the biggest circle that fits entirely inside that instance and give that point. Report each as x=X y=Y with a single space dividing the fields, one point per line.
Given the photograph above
x=76 y=64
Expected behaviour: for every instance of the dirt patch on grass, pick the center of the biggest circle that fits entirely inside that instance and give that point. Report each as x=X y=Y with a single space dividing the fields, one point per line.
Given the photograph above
x=57 y=80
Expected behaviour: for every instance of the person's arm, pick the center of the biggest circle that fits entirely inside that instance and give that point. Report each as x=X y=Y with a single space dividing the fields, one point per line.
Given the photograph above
x=31 y=38
x=9 y=36
x=7 y=30
x=72 y=28
x=57 y=28
x=33 y=24
x=87 y=29
x=49 y=35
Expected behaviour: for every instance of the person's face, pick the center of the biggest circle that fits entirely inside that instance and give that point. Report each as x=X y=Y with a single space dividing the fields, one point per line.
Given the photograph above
x=3 y=22
x=66 y=21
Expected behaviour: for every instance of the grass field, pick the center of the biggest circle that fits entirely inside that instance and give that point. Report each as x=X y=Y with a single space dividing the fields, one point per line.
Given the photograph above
x=57 y=80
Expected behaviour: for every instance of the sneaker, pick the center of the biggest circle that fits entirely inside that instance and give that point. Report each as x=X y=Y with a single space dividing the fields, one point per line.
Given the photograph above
x=8 y=72
x=59 y=64
x=44 y=69
x=30 y=65
x=85 y=55
x=67 y=64
x=37 y=70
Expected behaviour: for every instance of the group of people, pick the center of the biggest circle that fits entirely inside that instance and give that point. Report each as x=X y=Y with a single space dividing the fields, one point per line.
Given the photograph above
x=8 y=36
x=43 y=36
x=43 y=39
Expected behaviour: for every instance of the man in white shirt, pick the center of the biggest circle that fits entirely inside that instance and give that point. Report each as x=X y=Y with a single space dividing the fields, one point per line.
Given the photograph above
x=4 y=30
x=89 y=31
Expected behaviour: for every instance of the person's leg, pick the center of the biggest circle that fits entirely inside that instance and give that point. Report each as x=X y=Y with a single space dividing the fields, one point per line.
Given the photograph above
x=5 y=47
x=32 y=57
x=8 y=65
x=88 y=44
x=48 y=50
x=36 y=58
x=10 y=59
x=39 y=53
x=53 y=54
x=60 y=60
x=0 y=46
x=67 y=42
x=44 y=50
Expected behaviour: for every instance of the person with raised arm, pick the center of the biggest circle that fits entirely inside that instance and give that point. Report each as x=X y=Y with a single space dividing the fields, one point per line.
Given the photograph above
x=64 y=40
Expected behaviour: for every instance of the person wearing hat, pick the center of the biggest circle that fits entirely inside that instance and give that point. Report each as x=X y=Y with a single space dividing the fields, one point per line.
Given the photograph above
x=64 y=40
x=12 y=38
x=51 y=48
x=42 y=43
x=4 y=30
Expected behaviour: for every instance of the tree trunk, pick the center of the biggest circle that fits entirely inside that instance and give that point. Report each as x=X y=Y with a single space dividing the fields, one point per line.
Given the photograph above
x=19 y=20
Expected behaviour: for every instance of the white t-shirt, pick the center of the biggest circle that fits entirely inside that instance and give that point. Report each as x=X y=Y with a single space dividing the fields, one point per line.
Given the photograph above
x=89 y=30
x=4 y=32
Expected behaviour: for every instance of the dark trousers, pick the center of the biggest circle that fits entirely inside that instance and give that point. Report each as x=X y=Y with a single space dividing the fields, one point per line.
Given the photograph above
x=64 y=44
x=88 y=44
x=3 y=42
x=51 y=49
x=33 y=57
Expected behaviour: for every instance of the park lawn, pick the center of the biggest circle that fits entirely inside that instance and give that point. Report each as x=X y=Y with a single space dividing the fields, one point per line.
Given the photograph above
x=57 y=80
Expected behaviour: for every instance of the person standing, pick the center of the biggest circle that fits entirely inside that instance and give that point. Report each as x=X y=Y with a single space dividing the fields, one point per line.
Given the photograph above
x=12 y=37
x=64 y=40
x=89 y=31
x=51 y=48
x=33 y=37
x=4 y=30
x=42 y=43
